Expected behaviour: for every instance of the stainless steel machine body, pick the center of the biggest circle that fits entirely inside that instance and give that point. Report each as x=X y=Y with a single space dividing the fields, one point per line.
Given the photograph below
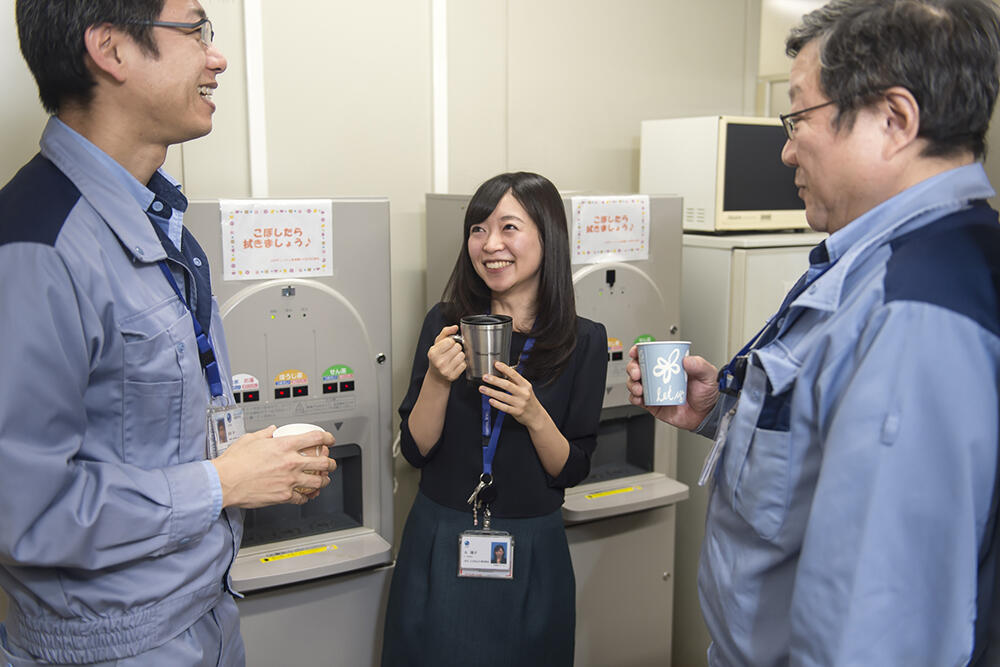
x=316 y=349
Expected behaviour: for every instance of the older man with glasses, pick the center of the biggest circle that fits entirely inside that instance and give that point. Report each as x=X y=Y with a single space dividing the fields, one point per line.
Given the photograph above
x=853 y=511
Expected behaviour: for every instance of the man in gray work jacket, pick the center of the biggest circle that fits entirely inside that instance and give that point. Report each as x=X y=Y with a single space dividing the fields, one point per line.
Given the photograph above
x=117 y=529
x=852 y=517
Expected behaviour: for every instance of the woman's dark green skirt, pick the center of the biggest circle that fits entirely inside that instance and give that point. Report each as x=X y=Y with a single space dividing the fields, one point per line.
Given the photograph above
x=435 y=618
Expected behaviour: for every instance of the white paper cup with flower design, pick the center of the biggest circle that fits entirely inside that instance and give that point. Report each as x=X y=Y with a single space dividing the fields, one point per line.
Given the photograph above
x=664 y=380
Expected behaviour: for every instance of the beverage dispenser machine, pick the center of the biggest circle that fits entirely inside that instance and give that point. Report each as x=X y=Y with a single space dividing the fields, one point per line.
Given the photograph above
x=620 y=520
x=303 y=288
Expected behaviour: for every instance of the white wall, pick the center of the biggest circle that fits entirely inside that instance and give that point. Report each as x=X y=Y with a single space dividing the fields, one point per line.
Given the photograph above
x=349 y=113
x=777 y=18
x=21 y=118
x=21 y=114
x=217 y=165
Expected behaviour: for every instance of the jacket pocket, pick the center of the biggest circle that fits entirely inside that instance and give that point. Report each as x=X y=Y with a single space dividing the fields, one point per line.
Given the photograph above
x=761 y=492
x=152 y=388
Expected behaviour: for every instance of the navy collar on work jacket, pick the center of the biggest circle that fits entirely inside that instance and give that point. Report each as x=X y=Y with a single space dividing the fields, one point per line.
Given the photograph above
x=103 y=190
x=911 y=209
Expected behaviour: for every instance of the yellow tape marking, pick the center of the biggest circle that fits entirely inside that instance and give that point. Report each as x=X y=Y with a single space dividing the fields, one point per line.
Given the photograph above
x=627 y=489
x=293 y=554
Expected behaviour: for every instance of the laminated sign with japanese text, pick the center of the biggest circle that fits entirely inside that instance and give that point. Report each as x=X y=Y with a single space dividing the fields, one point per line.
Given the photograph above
x=610 y=229
x=275 y=238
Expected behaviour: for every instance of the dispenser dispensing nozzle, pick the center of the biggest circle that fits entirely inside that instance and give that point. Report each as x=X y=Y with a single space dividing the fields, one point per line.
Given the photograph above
x=609 y=276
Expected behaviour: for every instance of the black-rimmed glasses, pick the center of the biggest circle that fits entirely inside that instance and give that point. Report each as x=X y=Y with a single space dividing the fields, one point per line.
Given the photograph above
x=788 y=119
x=204 y=27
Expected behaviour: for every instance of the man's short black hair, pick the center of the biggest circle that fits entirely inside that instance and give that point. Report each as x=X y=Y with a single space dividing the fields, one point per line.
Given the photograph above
x=51 y=34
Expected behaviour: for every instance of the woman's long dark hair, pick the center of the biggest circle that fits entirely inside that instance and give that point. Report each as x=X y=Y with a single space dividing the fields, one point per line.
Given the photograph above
x=555 y=307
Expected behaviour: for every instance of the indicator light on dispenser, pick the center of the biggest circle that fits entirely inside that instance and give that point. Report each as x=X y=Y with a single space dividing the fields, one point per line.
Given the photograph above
x=282 y=392
x=251 y=396
x=347 y=386
x=302 y=390
x=329 y=387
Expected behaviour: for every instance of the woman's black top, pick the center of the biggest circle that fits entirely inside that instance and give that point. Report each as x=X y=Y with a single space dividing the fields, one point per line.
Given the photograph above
x=451 y=469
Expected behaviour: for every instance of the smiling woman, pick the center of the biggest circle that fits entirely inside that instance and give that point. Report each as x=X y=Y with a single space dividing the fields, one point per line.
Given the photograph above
x=515 y=262
x=506 y=251
x=531 y=212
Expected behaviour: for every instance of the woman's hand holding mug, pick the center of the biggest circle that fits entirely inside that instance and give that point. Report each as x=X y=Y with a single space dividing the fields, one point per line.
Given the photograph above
x=446 y=357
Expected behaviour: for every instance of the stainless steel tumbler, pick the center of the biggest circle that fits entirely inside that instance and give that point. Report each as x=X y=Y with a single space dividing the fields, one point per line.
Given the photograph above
x=486 y=339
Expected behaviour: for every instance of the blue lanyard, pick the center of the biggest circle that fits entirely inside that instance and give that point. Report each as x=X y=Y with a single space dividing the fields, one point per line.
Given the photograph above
x=493 y=433
x=205 y=352
x=731 y=375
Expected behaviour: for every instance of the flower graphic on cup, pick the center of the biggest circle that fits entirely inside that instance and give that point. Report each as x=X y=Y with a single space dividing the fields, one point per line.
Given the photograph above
x=667 y=368
x=663 y=360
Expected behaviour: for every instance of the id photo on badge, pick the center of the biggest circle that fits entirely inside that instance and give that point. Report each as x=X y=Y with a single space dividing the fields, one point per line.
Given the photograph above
x=499 y=551
x=220 y=425
x=225 y=426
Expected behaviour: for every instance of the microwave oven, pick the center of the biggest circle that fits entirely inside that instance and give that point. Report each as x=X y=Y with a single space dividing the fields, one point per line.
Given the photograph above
x=728 y=169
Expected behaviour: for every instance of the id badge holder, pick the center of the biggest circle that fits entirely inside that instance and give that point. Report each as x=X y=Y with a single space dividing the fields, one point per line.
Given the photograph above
x=225 y=426
x=486 y=554
x=712 y=460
